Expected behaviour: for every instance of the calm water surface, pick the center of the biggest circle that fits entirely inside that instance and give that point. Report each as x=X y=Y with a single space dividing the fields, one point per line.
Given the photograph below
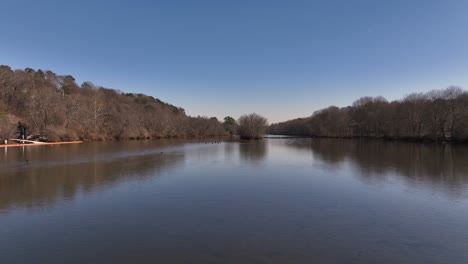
x=273 y=201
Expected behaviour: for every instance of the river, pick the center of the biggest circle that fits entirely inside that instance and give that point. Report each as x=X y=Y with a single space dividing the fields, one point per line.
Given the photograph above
x=278 y=200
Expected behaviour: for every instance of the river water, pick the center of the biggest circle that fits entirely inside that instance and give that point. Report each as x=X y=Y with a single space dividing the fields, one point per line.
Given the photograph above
x=279 y=200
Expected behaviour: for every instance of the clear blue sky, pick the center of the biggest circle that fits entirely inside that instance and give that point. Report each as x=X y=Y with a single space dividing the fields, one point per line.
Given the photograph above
x=282 y=59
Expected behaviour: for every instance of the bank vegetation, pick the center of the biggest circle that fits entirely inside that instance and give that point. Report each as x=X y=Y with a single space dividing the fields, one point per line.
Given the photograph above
x=252 y=126
x=45 y=106
x=435 y=115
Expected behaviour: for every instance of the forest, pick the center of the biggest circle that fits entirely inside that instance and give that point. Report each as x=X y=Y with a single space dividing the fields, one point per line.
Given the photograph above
x=51 y=107
x=45 y=106
x=435 y=115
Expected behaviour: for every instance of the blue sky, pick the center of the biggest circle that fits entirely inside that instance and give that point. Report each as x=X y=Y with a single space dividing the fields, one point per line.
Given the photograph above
x=282 y=59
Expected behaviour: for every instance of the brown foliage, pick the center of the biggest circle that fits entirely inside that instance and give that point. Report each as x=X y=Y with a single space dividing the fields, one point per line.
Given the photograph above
x=435 y=115
x=252 y=126
x=56 y=107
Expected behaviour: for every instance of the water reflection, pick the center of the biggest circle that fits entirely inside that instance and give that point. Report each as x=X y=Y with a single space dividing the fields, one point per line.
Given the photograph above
x=269 y=201
x=230 y=149
x=56 y=174
x=253 y=151
x=443 y=165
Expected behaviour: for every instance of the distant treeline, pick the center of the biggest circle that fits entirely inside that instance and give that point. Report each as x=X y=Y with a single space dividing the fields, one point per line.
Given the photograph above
x=54 y=107
x=435 y=115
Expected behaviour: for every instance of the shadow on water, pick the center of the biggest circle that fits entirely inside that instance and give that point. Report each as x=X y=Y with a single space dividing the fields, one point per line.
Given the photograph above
x=56 y=174
x=253 y=151
x=442 y=165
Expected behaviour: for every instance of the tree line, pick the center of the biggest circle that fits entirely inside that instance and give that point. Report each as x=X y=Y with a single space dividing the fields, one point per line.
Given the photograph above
x=55 y=107
x=42 y=105
x=435 y=115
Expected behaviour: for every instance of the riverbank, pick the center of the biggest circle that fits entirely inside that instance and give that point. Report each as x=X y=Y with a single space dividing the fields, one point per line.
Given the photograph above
x=384 y=138
x=40 y=144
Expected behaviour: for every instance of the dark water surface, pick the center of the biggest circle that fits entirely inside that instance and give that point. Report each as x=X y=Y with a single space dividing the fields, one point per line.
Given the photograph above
x=273 y=201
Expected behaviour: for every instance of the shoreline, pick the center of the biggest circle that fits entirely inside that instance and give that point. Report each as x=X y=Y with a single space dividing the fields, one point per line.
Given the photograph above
x=400 y=139
x=41 y=144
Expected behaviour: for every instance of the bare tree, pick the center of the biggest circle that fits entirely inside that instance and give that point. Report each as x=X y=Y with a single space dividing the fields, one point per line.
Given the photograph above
x=252 y=126
x=7 y=126
x=435 y=115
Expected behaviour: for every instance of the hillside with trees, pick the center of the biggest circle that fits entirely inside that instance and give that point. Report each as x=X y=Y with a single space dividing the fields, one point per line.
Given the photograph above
x=54 y=107
x=435 y=115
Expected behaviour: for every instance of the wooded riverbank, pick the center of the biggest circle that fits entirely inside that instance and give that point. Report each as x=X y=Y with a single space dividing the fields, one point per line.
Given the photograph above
x=438 y=115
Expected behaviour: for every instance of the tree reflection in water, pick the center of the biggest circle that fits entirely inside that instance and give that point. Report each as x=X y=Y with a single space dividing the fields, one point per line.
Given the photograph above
x=56 y=174
x=442 y=165
x=253 y=151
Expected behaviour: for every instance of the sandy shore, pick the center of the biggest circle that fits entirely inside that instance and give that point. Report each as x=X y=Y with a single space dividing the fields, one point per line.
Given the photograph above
x=41 y=144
